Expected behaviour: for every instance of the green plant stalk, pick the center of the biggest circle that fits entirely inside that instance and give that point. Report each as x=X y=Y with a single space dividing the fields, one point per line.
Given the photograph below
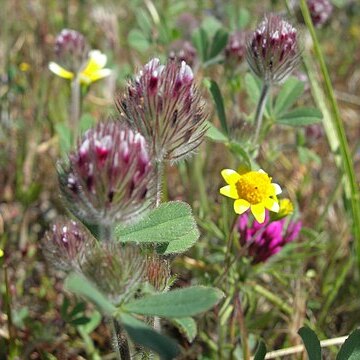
x=75 y=108
x=199 y=179
x=340 y=131
x=242 y=326
x=159 y=170
x=259 y=115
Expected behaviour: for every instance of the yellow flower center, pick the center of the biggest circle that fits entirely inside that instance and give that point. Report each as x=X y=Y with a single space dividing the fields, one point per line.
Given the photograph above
x=254 y=187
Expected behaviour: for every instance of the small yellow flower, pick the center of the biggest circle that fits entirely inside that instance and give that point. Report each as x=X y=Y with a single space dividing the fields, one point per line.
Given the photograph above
x=251 y=190
x=24 y=67
x=92 y=71
x=1 y=253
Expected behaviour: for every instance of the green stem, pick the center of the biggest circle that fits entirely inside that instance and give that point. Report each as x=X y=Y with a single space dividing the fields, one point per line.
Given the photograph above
x=260 y=110
x=242 y=326
x=339 y=128
x=75 y=108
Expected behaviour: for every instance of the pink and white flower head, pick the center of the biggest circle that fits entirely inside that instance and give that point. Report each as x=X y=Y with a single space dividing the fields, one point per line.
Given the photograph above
x=320 y=11
x=109 y=176
x=71 y=50
x=163 y=104
x=235 y=49
x=273 y=49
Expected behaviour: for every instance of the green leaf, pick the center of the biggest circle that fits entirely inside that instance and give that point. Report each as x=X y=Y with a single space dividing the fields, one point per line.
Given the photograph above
x=138 y=40
x=187 y=326
x=300 y=117
x=253 y=87
x=260 y=352
x=171 y=221
x=289 y=93
x=200 y=40
x=79 y=285
x=180 y=244
x=177 y=303
x=144 y=335
x=81 y=320
x=219 y=103
x=94 y=322
x=350 y=350
x=311 y=342
x=214 y=134
x=243 y=18
x=238 y=150
x=218 y=43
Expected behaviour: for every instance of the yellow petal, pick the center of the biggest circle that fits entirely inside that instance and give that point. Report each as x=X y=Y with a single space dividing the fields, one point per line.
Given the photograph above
x=258 y=210
x=240 y=206
x=99 y=74
x=97 y=60
x=229 y=191
x=1 y=253
x=60 y=71
x=272 y=205
x=276 y=188
x=230 y=176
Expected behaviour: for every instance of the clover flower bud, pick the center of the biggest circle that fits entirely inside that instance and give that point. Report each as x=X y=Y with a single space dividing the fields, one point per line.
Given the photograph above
x=71 y=50
x=273 y=50
x=235 y=49
x=264 y=240
x=320 y=11
x=163 y=104
x=65 y=244
x=182 y=50
x=157 y=272
x=108 y=177
x=116 y=270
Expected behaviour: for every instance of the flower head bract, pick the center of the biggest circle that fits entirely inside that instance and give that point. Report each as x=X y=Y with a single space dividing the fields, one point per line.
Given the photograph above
x=251 y=190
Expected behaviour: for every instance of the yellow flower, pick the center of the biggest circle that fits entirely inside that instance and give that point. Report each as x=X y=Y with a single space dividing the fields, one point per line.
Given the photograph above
x=92 y=71
x=251 y=190
x=1 y=253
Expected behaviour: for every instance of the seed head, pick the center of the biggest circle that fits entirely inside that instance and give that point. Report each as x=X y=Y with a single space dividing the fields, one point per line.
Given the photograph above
x=163 y=104
x=109 y=176
x=273 y=51
x=71 y=50
x=157 y=272
x=115 y=269
x=65 y=244
x=320 y=11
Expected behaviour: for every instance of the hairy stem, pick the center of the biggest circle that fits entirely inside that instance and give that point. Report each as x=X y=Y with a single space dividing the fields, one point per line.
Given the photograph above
x=347 y=161
x=260 y=110
x=242 y=326
x=158 y=181
x=75 y=107
x=121 y=343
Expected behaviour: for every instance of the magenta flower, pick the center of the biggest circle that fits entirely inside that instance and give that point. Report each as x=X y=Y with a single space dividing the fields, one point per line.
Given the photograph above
x=108 y=177
x=267 y=239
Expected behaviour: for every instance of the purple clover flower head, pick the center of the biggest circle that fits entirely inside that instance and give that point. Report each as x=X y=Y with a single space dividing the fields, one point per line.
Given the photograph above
x=71 y=50
x=182 y=50
x=273 y=49
x=267 y=239
x=320 y=11
x=65 y=244
x=109 y=176
x=235 y=50
x=163 y=104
